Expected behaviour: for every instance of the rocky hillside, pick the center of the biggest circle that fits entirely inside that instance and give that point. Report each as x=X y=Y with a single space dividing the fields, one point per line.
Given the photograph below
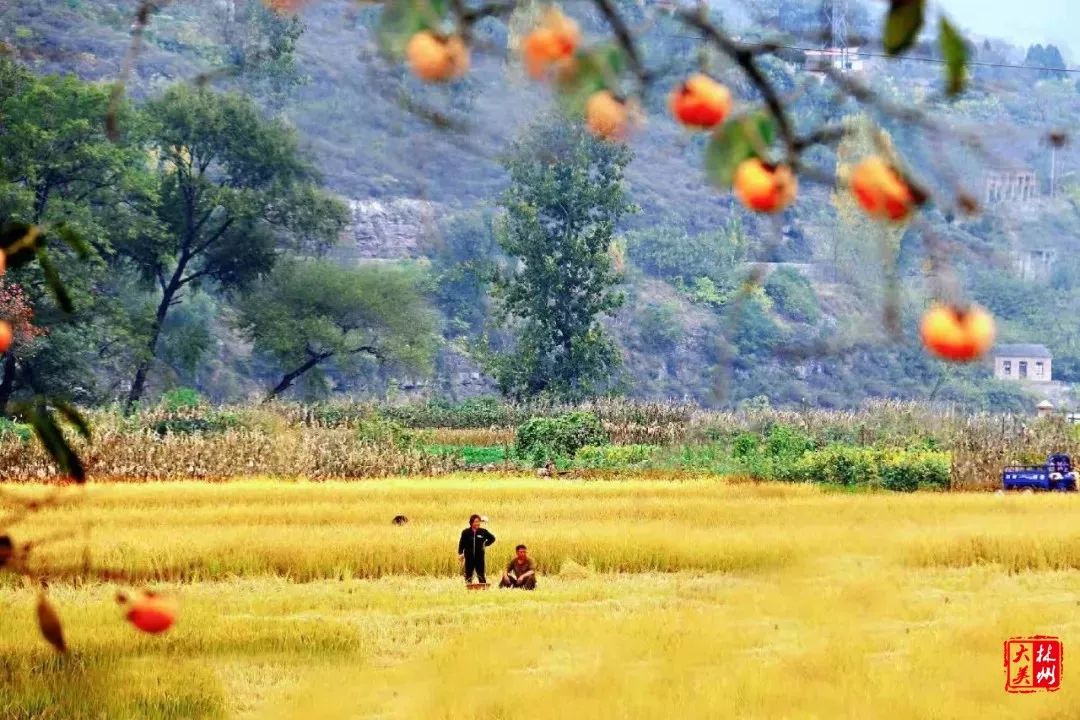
x=364 y=125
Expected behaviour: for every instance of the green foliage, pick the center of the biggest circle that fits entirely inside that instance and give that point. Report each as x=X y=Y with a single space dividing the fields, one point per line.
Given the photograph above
x=381 y=432
x=890 y=469
x=902 y=25
x=838 y=465
x=310 y=314
x=704 y=291
x=786 y=443
x=737 y=140
x=789 y=454
x=187 y=335
x=916 y=471
x=773 y=456
x=544 y=439
x=1009 y=297
x=181 y=399
x=472 y=455
x=793 y=295
x=660 y=327
x=10 y=428
x=260 y=46
x=746 y=445
x=955 y=52
x=233 y=191
x=59 y=169
x=463 y=255
x=614 y=456
x=565 y=198
x=676 y=255
x=756 y=331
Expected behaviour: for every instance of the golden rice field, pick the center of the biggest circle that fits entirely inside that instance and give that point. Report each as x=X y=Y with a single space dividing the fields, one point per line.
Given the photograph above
x=657 y=599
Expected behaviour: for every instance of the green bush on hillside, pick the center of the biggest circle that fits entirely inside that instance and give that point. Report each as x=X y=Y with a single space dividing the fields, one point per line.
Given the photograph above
x=181 y=399
x=793 y=295
x=614 y=456
x=543 y=439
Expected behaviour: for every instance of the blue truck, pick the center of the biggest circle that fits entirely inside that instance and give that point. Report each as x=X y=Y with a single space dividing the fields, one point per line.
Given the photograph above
x=1057 y=474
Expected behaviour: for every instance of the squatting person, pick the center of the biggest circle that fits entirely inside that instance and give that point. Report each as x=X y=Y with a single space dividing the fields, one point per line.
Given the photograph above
x=520 y=572
x=471 y=549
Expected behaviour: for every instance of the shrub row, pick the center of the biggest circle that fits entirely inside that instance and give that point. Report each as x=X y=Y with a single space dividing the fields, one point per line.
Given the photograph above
x=547 y=439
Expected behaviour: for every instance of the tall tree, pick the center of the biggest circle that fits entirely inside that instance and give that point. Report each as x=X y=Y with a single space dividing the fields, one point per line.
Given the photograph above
x=311 y=315
x=1048 y=57
x=233 y=192
x=57 y=165
x=566 y=197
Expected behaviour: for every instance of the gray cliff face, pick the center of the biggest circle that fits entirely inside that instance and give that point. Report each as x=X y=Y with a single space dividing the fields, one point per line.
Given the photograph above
x=386 y=229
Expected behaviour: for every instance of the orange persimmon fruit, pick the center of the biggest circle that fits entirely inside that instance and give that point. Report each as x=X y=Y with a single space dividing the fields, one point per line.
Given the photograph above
x=551 y=45
x=957 y=334
x=700 y=102
x=882 y=191
x=434 y=58
x=765 y=188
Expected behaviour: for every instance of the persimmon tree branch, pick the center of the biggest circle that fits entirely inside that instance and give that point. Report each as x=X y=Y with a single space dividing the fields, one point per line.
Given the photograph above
x=745 y=58
x=625 y=39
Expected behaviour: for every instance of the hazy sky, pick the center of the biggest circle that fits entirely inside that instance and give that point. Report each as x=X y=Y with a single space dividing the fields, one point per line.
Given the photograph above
x=1022 y=22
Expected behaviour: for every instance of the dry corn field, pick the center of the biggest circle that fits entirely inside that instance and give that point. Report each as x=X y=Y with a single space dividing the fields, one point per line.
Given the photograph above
x=657 y=599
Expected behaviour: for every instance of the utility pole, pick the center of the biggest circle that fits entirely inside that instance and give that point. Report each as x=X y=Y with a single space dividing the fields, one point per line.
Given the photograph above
x=838 y=30
x=1053 y=169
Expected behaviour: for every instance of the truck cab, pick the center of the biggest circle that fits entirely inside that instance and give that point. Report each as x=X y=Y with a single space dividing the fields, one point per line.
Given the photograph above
x=1057 y=474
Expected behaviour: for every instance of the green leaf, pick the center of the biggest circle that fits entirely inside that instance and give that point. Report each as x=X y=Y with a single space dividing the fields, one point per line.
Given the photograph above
x=597 y=69
x=51 y=436
x=56 y=285
x=73 y=416
x=401 y=19
x=902 y=25
x=955 y=52
x=735 y=141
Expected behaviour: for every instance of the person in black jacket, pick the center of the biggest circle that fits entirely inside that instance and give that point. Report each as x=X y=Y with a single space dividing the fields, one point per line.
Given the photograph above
x=471 y=549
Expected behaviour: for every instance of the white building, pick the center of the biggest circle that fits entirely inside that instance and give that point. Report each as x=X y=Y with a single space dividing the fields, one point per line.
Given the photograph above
x=1023 y=362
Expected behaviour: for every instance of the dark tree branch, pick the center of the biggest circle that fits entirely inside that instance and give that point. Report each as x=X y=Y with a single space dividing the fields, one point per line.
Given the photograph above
x=214 y=237
x=290 y=377
x=469 y=17
x=187 y=280
x=625 y=39
x=826 y=135
x=370 y=350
